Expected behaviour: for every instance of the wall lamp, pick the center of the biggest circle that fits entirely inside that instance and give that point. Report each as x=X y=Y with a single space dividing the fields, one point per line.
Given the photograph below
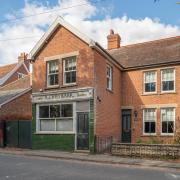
x=98 y=98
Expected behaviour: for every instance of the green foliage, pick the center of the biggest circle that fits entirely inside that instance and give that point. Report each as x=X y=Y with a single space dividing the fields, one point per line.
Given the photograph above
x=153 y=140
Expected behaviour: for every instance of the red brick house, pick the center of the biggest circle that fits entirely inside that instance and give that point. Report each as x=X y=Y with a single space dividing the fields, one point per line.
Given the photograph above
x=81 y=91
x=15 y=99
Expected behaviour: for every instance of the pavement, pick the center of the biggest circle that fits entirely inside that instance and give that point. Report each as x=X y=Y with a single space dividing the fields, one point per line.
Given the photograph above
x=96 y=158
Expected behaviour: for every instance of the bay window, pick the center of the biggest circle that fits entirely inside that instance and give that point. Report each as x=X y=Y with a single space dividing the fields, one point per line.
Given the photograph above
x=149 y=116
x=69 y=70
x=150 y=79
x=56 y=117
x=167 y=120
x=167 y=80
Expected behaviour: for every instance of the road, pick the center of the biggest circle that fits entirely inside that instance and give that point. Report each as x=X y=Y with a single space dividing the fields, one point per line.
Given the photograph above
x=33 y=168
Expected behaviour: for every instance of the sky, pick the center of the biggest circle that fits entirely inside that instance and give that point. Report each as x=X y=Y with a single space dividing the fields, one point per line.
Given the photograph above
x=23 y=22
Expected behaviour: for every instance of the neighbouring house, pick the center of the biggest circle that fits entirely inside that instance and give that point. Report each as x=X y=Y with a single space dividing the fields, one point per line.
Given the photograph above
x=82 y=92
x=15 y=104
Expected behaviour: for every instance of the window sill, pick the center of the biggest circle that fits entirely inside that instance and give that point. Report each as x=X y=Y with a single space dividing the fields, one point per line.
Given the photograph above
x=167 y=135
x=149 y=94
x=68 y=85
x=52 y=87
x=168 y=92
x=109 y=90
x=148 y=135
x=53 y=133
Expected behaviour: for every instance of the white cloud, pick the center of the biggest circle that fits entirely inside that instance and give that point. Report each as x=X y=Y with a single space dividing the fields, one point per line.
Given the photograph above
x=131 y=30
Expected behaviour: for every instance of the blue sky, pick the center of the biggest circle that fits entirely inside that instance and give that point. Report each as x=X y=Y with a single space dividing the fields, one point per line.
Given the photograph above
x=135 y=20
x=167 y=11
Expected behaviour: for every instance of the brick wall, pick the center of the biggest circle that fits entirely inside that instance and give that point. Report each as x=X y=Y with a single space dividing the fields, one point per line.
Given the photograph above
x=62 y=42
x=108 y=110
x=18 y=109
x=132 y=95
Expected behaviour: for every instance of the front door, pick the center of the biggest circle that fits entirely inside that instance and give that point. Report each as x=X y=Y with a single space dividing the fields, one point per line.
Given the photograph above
x=82 y=131
x=126 y=126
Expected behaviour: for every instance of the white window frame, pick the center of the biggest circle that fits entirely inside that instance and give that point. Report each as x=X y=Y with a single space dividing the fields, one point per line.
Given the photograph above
x=110 y=78
x=171 y=91
x=149 y=134
x=47 y=73
x=22 y=75
x=38 y=131
x=144 y=74
x=174 y=120
x=64 y=71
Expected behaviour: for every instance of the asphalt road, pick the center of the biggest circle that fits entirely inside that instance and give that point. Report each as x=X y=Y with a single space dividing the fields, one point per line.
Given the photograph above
x=25 y=168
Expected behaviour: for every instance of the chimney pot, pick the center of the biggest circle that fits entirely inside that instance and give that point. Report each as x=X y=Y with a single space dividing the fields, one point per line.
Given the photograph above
x=113 y=40
x=111 y=31
x=23 y=57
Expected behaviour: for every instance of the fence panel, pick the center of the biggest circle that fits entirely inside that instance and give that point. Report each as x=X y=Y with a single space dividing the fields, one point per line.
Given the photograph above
x=103 y=144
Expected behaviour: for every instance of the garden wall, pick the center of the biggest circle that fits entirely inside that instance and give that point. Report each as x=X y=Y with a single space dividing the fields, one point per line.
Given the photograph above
x=146 y=150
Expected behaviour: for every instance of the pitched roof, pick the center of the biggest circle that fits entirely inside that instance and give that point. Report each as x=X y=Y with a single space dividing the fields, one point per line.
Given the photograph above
x=8 y=95
x=148 y=53
x=14 y=90
x=22 y=83
x=58 y=22
x=6 y=69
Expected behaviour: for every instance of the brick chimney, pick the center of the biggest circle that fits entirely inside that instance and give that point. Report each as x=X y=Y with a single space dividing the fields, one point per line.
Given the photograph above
x=23 y=57
x=113 y=40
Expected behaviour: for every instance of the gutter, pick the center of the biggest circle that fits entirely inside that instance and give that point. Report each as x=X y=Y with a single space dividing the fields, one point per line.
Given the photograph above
x=151 y=66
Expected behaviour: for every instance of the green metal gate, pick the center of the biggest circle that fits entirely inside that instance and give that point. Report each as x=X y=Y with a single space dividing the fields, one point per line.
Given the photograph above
x=18 y=134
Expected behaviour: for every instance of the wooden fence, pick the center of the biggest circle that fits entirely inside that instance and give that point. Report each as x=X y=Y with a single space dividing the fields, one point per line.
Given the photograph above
x=146 y=150
x=104 y=144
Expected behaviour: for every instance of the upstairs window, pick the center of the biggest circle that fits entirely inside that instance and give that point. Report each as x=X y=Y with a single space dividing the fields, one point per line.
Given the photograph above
x=167 y=120
x=69 y=70
x=109 y=77
x=149 y=121
x=52 y=73
x=150 y=81
x=167 y=80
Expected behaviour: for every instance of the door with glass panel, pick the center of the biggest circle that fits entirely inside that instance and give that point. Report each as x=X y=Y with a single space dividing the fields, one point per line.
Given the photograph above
x=126 y=126
x=82 y=131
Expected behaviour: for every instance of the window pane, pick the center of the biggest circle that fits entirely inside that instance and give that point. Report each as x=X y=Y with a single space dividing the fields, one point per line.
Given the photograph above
x=168 y=85
x=64 y=125
x=147 y=127
x=73 y=77
x=53 y=79
x=47 y=125
x=168 y=75
x=66 y=110
x=170 y=127
x=44 y=111
x=150 y=77
x=164 y=127
x=150 y=87
x=53 y=67
x=153 y=127
x=55 y=111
